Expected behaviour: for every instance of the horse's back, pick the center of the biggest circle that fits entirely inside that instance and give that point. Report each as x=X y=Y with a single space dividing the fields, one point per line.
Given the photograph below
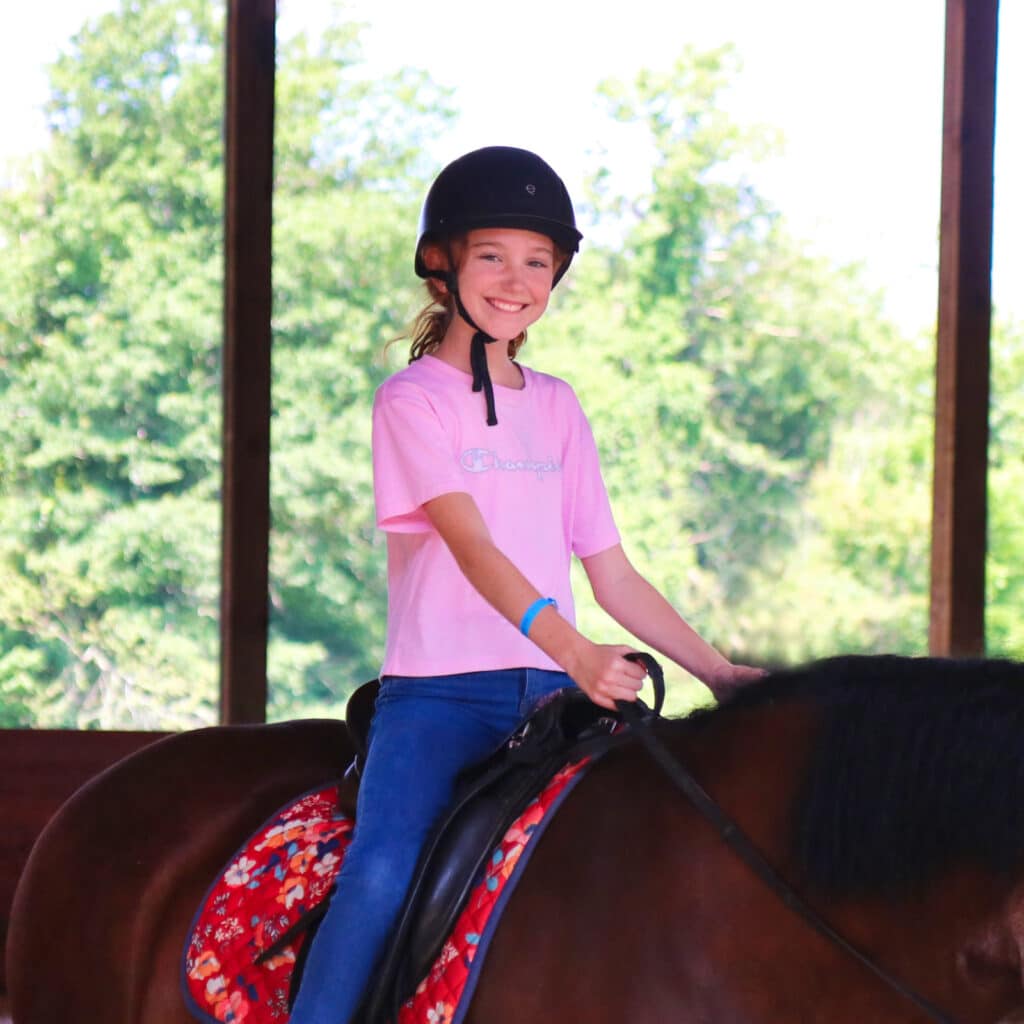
x=102 y=909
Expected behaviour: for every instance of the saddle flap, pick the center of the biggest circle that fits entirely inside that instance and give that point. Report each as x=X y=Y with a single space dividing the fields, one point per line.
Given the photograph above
x=454 y=861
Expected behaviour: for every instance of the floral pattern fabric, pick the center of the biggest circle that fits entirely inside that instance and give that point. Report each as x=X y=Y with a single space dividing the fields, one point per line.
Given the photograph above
x=287 y=868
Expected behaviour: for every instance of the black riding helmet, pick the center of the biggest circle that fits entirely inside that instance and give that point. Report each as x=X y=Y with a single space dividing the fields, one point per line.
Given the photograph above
x=498 y=187
x=494 y=187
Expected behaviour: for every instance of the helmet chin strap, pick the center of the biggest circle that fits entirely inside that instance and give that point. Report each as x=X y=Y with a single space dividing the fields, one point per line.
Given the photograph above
x=477 y=350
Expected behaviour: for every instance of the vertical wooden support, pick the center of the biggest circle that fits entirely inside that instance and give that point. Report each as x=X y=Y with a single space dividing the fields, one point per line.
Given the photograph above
x=957 y=625
x=245 y=519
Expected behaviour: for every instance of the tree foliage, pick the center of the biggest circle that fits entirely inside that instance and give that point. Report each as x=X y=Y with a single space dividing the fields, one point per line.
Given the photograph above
x=728 y=376
x=110 y=348
x=1004 y=624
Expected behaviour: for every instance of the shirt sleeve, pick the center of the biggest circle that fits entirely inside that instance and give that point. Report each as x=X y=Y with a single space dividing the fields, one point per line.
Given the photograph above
x=413 y=459
x=593 y=523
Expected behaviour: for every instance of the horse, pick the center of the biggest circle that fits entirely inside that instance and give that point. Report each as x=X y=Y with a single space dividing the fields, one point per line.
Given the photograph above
x=885 y=794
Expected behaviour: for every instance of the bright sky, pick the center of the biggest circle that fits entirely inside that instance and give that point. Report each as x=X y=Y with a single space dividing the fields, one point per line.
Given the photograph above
x=856 y=90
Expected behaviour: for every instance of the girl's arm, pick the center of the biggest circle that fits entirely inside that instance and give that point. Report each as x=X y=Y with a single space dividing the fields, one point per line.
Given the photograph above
x=640 y=608
x=600 y=670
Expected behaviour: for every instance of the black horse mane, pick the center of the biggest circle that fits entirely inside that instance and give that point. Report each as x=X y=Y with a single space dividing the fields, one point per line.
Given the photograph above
x=918 y=767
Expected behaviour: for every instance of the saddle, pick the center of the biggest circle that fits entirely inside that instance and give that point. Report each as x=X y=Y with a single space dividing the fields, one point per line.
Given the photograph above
x=564 y=728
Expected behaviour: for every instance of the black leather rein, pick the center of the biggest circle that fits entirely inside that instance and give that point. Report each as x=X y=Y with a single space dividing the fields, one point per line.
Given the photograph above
x=639 y=719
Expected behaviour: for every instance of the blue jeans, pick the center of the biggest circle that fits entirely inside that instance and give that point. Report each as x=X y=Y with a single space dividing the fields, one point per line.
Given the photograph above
x=425 y=731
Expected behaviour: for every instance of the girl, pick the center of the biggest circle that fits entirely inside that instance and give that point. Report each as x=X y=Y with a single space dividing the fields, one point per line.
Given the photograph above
x=486 y=482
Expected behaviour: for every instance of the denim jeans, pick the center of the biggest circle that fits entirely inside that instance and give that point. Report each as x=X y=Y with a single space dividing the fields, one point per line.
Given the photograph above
x=425 y=730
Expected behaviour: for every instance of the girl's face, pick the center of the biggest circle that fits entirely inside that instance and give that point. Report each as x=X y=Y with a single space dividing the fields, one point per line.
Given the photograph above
x=505 y=277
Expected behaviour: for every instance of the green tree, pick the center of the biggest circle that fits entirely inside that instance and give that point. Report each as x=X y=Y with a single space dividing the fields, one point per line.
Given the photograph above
x=856 y=577
x=1004 y=623
x=350 y=175
x=717 y=357
x=110 y=338
x=110 y=349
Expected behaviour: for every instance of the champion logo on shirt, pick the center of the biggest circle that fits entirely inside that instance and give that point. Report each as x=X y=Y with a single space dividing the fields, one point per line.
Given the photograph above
x=484 y=460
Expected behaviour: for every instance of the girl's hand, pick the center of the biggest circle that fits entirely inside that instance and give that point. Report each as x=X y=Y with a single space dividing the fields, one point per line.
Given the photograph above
x=731 y=677
x=604 y=675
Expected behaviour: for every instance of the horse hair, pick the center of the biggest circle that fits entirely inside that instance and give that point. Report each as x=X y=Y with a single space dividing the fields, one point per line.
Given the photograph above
x=917 y=768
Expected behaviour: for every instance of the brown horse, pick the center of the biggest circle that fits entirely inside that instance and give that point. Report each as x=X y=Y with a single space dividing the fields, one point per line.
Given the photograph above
x=889 y=792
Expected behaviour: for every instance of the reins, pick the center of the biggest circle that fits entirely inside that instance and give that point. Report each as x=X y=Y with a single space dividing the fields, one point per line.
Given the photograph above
x=638 y=719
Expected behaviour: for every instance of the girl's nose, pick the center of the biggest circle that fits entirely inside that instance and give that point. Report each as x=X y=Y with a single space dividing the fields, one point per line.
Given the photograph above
x=513 y=275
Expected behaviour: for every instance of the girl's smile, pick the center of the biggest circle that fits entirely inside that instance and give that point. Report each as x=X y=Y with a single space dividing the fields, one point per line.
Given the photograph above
x=506 y=307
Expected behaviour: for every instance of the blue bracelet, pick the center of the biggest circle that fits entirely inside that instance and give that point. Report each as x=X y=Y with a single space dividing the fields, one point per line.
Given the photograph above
x=531 y=613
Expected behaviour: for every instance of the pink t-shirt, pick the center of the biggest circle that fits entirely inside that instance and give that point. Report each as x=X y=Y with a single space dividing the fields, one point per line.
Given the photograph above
x=537 y=481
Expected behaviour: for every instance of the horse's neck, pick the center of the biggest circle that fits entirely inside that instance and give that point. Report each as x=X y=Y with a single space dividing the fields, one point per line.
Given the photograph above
x=959 y=942
x=752 y=763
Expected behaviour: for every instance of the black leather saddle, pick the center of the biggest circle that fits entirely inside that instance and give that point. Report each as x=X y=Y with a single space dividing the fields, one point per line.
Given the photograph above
x=564 y=728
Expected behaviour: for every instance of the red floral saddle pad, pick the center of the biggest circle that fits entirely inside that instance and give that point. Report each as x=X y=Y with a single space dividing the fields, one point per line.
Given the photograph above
x=287 y=867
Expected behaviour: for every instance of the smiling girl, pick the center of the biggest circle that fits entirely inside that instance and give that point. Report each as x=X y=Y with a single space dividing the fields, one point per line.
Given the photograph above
x=487 y=482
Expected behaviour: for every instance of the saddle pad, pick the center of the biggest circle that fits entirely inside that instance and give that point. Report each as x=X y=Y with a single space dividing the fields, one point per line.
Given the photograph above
x=284 y=869
x=287 y=867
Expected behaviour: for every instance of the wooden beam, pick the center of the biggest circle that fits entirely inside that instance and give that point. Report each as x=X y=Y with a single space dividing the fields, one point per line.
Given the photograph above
x=245 y=518
x=959 y=508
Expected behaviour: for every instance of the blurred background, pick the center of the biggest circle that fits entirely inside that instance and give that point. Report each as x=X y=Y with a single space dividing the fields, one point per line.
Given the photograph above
x=750 y=323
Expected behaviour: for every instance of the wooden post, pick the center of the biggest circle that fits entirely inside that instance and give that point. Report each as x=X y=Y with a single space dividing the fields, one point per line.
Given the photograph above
x=245 y=520
x=957 y=625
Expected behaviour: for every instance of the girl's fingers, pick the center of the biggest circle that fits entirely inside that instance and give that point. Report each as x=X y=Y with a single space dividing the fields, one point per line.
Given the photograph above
x=633 y=669
x=620 y=691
